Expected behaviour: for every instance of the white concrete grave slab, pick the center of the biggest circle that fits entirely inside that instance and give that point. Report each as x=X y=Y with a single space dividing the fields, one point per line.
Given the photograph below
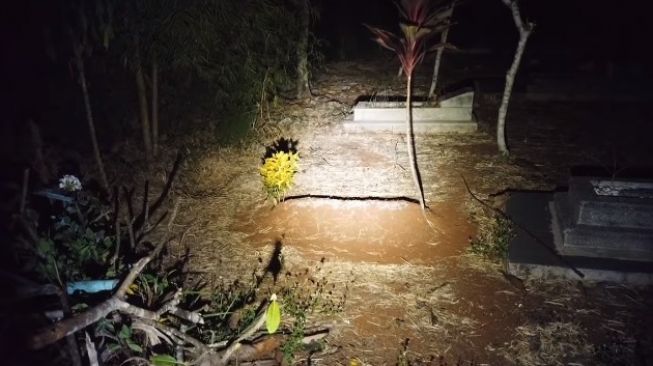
x=452 y=114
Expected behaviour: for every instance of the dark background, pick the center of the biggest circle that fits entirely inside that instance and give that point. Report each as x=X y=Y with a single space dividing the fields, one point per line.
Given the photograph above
x=571 y=37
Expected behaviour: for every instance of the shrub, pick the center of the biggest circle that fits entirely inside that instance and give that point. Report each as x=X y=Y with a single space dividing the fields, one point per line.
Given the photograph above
x=74 y=240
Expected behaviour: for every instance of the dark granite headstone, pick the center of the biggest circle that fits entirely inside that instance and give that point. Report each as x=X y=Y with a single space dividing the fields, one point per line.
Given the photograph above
x=598 y=229
x=604 y=218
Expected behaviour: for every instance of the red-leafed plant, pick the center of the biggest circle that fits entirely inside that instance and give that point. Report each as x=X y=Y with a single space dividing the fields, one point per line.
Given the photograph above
x=419 y=22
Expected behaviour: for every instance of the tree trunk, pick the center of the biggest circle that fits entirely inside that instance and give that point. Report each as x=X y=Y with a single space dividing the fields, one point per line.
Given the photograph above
x=155 y=108
x=89 y=119
x=39 y=159
x=524 y=33
x=438 y=61
x=410 y=142
x=302 y=50
x=438 y=56
x=142 y=106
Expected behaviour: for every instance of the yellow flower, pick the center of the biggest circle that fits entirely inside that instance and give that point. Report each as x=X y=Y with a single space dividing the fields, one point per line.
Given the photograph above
x=278 y=172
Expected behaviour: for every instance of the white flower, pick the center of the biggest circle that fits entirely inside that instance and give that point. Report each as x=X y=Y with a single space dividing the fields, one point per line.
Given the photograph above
x=273 y=297
x=70 y=183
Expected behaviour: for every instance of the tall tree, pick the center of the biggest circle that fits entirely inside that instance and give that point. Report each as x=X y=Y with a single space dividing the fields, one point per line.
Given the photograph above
x=525 y=29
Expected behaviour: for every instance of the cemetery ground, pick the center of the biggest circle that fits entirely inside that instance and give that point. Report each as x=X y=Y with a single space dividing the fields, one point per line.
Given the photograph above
x=405 y=292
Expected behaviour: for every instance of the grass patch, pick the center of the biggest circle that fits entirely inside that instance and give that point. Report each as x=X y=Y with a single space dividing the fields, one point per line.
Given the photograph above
x=493 y=239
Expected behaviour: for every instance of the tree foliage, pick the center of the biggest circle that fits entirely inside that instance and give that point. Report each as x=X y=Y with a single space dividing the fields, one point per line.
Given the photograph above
x=222 y=57
x=236 y=49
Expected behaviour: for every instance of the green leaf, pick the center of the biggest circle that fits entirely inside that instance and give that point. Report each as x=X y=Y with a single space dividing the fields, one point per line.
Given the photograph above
x=45 y=247
x=273 y=317
x=163 y=360
x=113 y=347
x=134 y=347
x=125 y=332
x=79 y=307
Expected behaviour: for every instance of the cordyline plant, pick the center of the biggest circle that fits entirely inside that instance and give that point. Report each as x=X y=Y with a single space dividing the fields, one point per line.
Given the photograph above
x=419 y=22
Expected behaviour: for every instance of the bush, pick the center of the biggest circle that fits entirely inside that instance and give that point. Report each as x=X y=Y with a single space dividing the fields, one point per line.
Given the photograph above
x=74 y=239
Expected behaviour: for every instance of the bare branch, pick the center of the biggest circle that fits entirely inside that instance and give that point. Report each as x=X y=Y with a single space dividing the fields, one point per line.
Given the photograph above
x=246 y=334
x=172 y=308
x=136 y=270
x=59 y=330
x=516 y=16
x=175 y=333
x=91 y=351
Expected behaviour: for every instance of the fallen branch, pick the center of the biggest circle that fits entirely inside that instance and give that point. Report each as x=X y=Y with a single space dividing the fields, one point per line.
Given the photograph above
x=247 y=333
x=28 y=289
x=267 y=344
x=175 y=334
x=172 y=308
x=55 y=332
x=91 y=351
x=256 y=350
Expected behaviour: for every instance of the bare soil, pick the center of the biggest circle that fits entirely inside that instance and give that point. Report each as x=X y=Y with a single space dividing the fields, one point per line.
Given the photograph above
x=362 y=231
x=404 y=279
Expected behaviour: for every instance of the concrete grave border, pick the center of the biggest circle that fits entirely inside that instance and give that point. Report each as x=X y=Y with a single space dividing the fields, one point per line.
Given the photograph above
x=452 y=114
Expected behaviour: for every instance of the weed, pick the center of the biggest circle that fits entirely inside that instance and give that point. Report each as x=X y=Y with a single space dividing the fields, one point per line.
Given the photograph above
x=305 y=295
x=494 y=235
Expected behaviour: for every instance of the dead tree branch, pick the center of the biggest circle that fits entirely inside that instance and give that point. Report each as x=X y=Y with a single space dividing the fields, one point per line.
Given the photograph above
x=55 y=332
x=91 y=351
x=233 y=347
x=175 y=333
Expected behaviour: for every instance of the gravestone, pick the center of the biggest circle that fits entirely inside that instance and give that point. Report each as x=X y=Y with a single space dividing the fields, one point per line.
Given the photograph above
x=604 y=218
x=600 y=228
x=452 y=114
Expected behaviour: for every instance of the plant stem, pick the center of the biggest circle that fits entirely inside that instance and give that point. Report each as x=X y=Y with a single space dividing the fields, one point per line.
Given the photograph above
x=410 y=142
